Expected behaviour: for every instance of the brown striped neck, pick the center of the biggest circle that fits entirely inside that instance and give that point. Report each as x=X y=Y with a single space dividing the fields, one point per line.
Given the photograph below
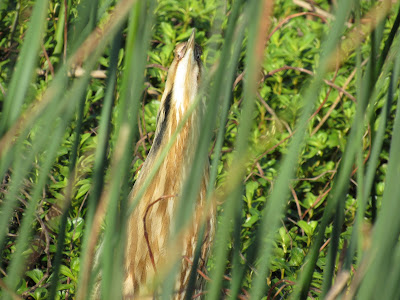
x=180 y=92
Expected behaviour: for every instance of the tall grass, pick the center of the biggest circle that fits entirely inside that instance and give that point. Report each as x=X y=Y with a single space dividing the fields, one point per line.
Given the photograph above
x=34 y=128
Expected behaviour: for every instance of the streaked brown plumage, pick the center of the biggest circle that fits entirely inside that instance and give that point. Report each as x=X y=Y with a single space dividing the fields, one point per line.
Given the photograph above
x=146 y=259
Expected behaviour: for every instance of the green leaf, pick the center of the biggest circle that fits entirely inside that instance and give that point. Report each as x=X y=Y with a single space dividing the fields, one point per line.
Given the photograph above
x=35 y=275
x=150 y=115
x=83 y=190
x=67 y=272
x=296 y=257
x=251 y=187
x=168 y=31
x=251 y=220
x=308 y=230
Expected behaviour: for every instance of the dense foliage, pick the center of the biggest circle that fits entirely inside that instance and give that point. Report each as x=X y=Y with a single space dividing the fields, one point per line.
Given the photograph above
x=291 y=60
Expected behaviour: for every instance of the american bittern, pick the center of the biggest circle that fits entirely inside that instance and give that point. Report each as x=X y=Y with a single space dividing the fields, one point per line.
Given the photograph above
x=148 y=249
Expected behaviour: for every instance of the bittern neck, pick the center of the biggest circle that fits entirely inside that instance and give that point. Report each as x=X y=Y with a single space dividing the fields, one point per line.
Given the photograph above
x=180 y=92
x=185 y=85
x=170 y=115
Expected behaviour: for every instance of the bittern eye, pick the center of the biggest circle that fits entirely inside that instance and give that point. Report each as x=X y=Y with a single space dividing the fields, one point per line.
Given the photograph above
x=197 y=52
x=180 y=51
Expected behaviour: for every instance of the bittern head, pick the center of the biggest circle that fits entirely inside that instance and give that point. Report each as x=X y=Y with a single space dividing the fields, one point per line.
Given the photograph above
x=185 y=72
x=181 y=88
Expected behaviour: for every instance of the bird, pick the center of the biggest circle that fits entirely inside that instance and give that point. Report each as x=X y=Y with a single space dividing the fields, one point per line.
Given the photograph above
x=149 y=228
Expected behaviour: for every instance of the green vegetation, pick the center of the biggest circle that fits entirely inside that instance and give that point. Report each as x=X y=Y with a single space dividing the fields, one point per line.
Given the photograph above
x=304 y=148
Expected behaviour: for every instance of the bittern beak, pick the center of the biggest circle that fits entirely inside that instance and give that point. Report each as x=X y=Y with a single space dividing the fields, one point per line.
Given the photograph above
x=190 y=45
x=191 y=41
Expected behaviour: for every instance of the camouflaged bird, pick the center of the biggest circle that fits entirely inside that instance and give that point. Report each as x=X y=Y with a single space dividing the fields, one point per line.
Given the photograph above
x=148 y=251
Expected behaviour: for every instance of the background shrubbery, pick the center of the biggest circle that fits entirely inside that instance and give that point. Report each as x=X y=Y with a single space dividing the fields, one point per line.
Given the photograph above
x=318 y=184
